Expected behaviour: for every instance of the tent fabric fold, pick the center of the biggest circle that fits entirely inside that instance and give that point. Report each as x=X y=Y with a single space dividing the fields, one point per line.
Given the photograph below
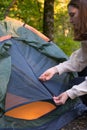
x=26 y=72
x=26 y=101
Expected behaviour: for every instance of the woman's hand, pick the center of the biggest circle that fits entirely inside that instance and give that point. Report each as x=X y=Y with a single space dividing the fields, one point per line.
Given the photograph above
x=48 y=74
x=61 y=99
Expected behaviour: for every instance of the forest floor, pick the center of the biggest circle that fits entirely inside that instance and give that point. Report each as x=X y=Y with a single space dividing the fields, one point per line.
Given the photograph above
x=79 y=123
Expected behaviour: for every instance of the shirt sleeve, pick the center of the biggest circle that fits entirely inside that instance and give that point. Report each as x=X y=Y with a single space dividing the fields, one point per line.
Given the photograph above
x=77 y=61
x=78 y=90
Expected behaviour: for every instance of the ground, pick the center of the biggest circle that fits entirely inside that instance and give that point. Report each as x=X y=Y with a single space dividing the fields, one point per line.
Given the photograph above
x=78 y=124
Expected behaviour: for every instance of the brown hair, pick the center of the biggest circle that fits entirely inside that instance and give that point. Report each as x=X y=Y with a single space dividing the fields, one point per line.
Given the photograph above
x=80 y=33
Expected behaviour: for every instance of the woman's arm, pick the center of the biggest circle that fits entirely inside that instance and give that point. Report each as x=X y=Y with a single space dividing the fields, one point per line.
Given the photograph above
x=78 y=90
x=77 y=61
x=75 y=91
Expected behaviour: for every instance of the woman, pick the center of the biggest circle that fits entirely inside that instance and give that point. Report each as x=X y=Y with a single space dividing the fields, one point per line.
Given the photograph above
x=77 y=10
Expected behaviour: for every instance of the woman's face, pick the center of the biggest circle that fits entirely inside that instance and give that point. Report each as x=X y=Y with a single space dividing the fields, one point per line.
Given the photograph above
x=73 y=14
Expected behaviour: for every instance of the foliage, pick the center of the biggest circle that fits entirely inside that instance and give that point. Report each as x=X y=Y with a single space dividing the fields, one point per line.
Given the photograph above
x=67 y=44
x=31 y=12
x=63 y=31
x=3 y=6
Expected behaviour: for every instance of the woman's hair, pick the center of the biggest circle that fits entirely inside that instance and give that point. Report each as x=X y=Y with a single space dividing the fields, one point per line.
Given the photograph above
x=80 y=33
x=74 y=3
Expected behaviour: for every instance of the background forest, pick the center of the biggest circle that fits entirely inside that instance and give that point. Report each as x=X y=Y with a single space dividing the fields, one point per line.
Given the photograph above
x=48 y=16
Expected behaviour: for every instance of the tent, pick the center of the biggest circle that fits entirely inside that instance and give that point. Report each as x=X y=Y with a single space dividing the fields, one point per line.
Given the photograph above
x=25 y=101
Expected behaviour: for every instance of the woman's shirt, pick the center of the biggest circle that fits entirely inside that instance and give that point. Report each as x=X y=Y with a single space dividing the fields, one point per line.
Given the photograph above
x=76 y=63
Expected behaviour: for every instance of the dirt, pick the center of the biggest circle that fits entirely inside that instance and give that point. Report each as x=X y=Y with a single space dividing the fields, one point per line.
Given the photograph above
x=78 y=124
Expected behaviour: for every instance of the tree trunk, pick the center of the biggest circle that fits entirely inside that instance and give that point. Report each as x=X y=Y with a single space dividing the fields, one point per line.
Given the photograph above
x=8 y=8
x=48 y=19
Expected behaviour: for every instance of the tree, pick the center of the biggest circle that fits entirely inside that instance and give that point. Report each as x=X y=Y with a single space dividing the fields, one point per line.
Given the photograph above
x=48 y=19
x=48 y=16
x=8 y=8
